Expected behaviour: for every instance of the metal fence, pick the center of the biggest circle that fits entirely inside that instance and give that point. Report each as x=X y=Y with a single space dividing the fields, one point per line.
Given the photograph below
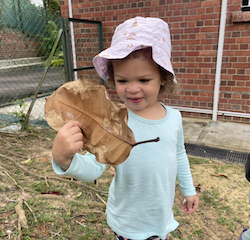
x=27 y=36
x=82 y=41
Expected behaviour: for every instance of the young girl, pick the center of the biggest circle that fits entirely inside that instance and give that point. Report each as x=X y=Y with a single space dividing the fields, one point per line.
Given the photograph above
x=141 y=195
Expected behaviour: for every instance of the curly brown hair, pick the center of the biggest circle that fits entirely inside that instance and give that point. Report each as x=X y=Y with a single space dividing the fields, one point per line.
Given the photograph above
x=169 y=87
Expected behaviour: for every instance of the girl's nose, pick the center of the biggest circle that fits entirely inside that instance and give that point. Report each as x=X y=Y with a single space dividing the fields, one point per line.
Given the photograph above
x=133 y=88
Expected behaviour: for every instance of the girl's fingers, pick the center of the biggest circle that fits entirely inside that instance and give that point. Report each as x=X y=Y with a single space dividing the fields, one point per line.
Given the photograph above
x=79 y=145
x=71 y=124
x=77 y=137
x=74 y=130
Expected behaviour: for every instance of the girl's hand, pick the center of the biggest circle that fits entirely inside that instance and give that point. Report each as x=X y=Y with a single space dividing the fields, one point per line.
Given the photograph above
x=68 y=141
x=191 y=204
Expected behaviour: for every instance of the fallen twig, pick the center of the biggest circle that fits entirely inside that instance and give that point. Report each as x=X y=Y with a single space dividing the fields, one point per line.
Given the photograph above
x=49 y=177
x=11 y=200
x=92 y=196
x=13 y=180
x=234 y=185
x=59 y=235
x=30 y=210
x=46 y=178
x=101 y=199
x=81 y=223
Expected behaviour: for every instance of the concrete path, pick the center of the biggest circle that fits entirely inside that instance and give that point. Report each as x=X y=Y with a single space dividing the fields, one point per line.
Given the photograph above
x=224 y=135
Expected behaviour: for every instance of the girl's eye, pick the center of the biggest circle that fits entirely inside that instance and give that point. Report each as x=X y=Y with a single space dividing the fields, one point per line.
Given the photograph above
x=144 y=80
x=121 y=81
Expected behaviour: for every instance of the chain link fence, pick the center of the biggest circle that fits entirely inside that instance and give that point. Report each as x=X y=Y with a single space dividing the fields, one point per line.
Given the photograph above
x=27 y=36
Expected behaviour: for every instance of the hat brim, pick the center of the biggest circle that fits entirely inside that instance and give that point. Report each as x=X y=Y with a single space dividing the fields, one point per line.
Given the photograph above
x=159 y=55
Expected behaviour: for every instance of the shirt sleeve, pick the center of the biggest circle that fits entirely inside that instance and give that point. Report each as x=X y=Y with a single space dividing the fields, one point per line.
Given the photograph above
x=184 y=175
x=83 y=167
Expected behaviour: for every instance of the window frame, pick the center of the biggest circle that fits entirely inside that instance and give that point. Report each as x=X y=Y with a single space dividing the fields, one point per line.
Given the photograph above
x=245 y=5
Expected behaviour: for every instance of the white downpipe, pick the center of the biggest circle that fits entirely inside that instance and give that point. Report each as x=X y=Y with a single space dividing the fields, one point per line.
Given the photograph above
x=72 y=39
x=219 y=58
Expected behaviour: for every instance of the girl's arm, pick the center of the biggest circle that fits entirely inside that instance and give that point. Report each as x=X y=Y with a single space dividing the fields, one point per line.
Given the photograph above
x=185 y=177
x=83 y=167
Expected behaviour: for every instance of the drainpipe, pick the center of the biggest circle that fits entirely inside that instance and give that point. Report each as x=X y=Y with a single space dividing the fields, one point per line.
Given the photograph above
x=72 y=38
x=219 y=58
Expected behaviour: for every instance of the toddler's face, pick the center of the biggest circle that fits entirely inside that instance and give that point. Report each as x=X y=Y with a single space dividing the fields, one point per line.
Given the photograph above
x=138 y=81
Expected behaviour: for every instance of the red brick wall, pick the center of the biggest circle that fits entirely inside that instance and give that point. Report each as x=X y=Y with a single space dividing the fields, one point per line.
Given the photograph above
x=194 y=26
x=13 y=45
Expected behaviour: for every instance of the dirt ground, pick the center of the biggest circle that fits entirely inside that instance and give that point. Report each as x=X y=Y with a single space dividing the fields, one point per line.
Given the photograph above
x=37 y=204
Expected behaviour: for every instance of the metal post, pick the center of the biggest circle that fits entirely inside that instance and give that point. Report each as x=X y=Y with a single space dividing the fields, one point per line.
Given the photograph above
x=219 y=59
x=65 y=52
x=69 y=50
x=41 y=80
x=100 y=42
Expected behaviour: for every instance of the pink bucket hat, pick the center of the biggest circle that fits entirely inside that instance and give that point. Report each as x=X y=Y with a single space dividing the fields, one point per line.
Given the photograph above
x=134 y=34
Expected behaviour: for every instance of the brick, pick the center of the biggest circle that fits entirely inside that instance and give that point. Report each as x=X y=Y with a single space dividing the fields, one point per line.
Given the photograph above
x=209 y=16
x=245 y=96
x=241 y=65
x=208 y=53
x=192 y=18
x=193 y=5
x=208 y=29
x=177 y=6
x=246 y=16
x=210 y=3
x=243 y=39
x=244 y=46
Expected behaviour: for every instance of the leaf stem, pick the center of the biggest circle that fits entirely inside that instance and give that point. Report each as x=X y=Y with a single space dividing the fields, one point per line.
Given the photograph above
x=147 y=141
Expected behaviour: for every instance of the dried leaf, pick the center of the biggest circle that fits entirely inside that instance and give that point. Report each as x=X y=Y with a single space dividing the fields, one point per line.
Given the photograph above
x=44 y=159
x=26 y=161
x=219 y=175
x=5 y=215
x=199 y=187
x=41 y=228
x=104 y=127
x=77 y=195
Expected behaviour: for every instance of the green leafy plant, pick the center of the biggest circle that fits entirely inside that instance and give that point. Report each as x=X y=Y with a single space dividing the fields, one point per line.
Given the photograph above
x=52 y=30
x=21 y=114
x=57 y=60
x=52 y=7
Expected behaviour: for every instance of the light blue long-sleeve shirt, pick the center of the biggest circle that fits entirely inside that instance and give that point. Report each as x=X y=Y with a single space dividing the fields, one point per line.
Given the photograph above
x=141 y=195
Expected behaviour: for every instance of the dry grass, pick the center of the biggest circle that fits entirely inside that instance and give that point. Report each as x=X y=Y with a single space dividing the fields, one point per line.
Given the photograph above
x=63 y=208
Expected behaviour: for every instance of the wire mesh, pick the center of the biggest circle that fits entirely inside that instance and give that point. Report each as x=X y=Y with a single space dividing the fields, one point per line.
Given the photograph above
x=27 y=35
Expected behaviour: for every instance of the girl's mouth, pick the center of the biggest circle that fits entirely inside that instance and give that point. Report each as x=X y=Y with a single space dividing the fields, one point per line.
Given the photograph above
x=135 y=100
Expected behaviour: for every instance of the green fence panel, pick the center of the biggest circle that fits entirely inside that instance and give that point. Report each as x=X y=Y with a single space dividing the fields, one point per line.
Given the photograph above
x=88 y=42
x=27 y=35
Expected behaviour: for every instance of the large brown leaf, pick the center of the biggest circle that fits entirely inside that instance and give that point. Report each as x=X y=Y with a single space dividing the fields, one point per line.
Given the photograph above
x=104 y=127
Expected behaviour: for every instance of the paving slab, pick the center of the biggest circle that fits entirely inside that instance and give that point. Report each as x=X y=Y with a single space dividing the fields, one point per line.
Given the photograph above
x=224 y=135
